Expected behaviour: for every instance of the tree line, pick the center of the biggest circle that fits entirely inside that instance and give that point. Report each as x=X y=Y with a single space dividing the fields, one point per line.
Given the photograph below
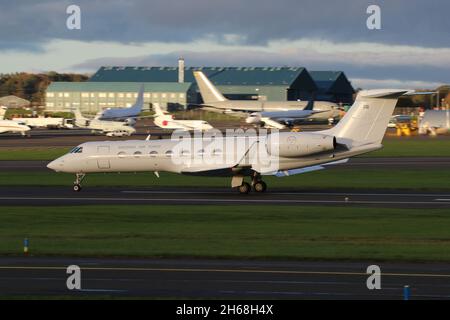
x=31 y=86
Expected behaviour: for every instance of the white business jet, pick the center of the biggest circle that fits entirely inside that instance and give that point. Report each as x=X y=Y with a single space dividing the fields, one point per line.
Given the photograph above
x=167 y=121
x=10 y=125
x=281 y=154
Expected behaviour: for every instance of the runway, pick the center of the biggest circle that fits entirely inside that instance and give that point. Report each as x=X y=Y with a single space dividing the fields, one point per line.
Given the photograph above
x=50 y=196
x=360 y=163
x=187 y=278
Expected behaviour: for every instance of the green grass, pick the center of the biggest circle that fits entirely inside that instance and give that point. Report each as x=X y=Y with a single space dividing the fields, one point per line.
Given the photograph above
x=414 y=147
x=430 y=179
x=405 y=147
x=229 y=231
x=32 y=153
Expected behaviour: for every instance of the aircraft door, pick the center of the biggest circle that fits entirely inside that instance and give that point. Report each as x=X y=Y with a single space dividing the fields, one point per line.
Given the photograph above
x=103 y=161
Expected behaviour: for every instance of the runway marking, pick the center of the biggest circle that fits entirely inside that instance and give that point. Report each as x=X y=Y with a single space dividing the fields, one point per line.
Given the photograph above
x=219 y=200
x=427 y=275
x=441 y=199
x=99 y=290
x=291 y=193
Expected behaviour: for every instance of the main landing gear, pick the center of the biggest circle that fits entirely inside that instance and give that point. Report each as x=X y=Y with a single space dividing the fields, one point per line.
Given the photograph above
x=77 y=182
x=258 y=185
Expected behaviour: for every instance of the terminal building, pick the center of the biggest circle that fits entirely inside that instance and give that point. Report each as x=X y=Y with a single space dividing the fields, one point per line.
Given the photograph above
x=175 y=87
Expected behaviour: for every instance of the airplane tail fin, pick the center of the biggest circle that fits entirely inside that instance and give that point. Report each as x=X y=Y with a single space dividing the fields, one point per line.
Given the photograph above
x=366 y=121
x=208 y=91
x=79 y=118
x=158 y=110
x=2 y=113
x=139 y=104
x=310 y=105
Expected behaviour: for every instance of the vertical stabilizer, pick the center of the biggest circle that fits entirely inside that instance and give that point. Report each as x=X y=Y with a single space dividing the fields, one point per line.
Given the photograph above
x=209 y=93
x=366 y=121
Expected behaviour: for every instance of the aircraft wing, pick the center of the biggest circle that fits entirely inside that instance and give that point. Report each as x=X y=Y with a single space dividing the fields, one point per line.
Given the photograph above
x=271 y=123
x=287 y=173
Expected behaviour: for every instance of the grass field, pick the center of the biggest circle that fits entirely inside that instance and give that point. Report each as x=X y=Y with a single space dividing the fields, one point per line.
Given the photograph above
x=229 y=231
x=326 y=179
x=411 y=147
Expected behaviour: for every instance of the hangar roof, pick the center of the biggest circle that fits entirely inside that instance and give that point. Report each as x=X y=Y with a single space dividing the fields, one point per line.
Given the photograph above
x=284 y=76
x=118 y=86
x=328 y=81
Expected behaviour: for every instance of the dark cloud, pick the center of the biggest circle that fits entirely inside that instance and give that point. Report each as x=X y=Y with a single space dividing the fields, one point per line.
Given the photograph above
x=414 y=22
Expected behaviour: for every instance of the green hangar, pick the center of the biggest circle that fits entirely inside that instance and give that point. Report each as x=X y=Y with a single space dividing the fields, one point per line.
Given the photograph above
x=175 y=87
x=92 y=97
x=333 y=86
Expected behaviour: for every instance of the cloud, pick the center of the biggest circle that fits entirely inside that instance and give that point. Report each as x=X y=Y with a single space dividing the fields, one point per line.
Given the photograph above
x=411 y=22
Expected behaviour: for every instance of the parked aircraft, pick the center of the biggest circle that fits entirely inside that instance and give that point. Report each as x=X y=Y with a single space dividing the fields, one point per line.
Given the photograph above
x=167 y=121
x=124 y=114
x=110 y=128
x=214 y=100
x=11 y=126
x=435 y=122
x=284 y=153
x=280 y=119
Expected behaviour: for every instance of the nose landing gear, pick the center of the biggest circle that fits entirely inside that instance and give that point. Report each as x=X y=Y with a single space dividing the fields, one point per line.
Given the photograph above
x=77 y=182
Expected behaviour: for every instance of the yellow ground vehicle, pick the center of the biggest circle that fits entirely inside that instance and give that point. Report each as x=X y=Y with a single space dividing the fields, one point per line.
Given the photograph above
x=405 y=125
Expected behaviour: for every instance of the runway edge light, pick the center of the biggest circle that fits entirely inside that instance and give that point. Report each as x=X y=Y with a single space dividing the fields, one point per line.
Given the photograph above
x=26 y=244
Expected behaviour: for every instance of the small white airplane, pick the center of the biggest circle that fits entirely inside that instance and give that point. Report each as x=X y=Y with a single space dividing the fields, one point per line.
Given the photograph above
x=281 y=119
x=123 y=113
x=110 y=128
x=10 y=125
x=281 y=154
x=214 y=100
x=167 y=121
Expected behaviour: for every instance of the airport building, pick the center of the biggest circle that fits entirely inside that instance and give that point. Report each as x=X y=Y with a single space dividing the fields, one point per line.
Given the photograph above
x=333 y=86
x=175 y=87
x=14 y=102
x=264 y=83
x=91 y=97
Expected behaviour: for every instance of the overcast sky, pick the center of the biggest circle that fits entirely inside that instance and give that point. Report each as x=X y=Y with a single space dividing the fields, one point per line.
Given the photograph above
x=412 y=49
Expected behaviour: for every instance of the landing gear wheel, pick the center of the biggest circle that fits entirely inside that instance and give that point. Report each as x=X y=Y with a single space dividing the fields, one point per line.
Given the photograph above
x=77 y=182
x=260 y=186
x=244 y=188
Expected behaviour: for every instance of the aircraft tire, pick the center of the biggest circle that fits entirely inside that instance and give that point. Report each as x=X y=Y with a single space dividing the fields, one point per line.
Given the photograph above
x=76 y=188
x=260 y=187
x=244 y=188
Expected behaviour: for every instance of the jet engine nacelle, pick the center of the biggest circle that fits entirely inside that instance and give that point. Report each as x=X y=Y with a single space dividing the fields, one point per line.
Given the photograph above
x=130 y=121
x=297 y=144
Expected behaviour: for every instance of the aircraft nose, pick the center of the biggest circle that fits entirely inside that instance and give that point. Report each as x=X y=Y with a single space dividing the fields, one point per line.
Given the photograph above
x=55 y=165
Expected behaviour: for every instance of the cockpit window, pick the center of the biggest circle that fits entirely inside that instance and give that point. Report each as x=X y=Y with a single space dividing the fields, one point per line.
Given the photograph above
x=76 y=150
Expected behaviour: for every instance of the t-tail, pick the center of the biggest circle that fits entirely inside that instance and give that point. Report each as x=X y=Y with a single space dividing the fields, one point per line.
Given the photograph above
x=210 y=94
x=366 y=121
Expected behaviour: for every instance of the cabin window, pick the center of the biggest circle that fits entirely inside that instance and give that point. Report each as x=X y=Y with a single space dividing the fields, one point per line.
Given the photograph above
x=185 y=153
x=201 y=152
x=169 y=153
x=121 y=154
x=217 y=152
x=137 y=154
x=153 y=154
